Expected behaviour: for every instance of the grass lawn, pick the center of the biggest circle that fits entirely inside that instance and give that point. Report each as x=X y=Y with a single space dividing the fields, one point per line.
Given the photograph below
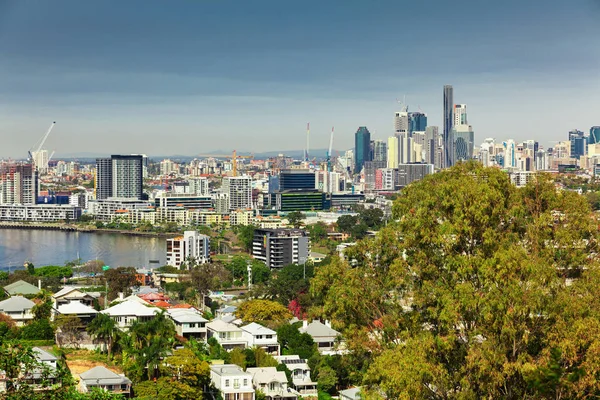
x=320 y=249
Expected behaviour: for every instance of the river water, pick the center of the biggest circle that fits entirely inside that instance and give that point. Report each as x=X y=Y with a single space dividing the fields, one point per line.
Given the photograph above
x=45 y=247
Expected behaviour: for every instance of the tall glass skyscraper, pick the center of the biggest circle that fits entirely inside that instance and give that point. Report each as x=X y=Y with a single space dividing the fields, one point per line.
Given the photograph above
x=578 y=143
x=594 y=135
x=448 y=121
x=362 y=148
x=417 y=122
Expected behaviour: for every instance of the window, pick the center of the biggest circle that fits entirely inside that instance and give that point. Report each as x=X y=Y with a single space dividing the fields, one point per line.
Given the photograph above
x=236 y=383
x=245 y=382
x=269 y=336
x=226 y=382
x=259 y=336
x=272 y=386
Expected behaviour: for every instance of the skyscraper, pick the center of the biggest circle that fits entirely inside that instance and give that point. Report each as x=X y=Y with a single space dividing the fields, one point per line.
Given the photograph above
x=460 y=114
x=578 y=143
x=392 y=152
x=594 y=135
x=18 y=184
x=120 y=176
x=431 y=143
x=362 y=146
x=510 y=157
x=402 y=121
x=417 y=122
x=239 y=191
x=379 y=150
x=462 y=140
x=448 y=120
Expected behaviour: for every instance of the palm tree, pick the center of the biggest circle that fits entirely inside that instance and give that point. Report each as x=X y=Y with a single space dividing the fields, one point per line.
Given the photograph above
x=103 y=328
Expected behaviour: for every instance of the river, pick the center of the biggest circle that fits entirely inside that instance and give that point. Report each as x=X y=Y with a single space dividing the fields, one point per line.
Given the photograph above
x=46 y=247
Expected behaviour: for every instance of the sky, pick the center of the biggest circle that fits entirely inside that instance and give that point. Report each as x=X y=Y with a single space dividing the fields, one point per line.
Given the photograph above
x=194 y=76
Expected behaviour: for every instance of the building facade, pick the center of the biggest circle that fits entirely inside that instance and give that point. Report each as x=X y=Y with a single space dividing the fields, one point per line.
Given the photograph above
x=362 y=144
x=448 y=120
x=120 y=176
x=191 y=245
x=280 y=247
x=239 y=192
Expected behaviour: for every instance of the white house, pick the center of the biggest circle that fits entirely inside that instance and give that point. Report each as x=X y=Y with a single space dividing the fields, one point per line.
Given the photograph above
x=82 y=311
x=105 y=379
x=228 y=335
x=232 y=382
x=324 y=336
x=260 y=336
x=350 y=394
x=69 y=294
x=188 y=322
x=300 y=374
x=127 y=312
x=272 y=383
x=18 y=308
x=41 y=377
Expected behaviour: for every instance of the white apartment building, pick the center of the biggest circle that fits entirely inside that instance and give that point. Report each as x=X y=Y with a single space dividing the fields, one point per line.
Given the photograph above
x=191 y=245
x=39 y=212
x=239 y=191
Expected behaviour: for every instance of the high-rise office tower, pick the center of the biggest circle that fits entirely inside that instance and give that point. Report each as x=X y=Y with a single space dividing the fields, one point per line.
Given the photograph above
x=431 y=143
x=460 y=115
x=578 y=143
x=379 y=151
x=120 y=176
x=362 y=146
x=402 y=121
x=405 y=148
x=417 y=122
x=510 y=156
x=392 y=152
x=594 y=135
x=239 y=191
x=462 y=140
x=448 y=120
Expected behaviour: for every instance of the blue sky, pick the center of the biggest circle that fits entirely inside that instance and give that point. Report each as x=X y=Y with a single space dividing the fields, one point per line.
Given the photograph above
x=191 y=76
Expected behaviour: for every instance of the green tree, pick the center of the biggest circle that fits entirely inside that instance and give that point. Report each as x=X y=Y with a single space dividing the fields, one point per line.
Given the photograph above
x=237 y=357
x=289 y=282
x=327 y=380
x=40 y=329
x=121 y=280
x=246 y=235
x=293 y=342
x=238 y=267
x=103 y=328
x=187 y=368
x=295 y=218
x=467 y=292
x=43 y=306
x=260 y=272
x=317 y=231
x=30 y=268
x=166 y=388
x=258 y=310
x=345 y=223
x=371 y=217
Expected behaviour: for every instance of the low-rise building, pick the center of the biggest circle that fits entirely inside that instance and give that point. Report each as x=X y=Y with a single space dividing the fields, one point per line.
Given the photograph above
x=18 y=308
x=300 y=374
x=39 y=212
x=188 y=322
x=350 y=394
x=104 y=379
x=127 y=312
x=260 y=336
x=232 y=382
x=227 y=334
x=21 y=288
x=272 y=383
x=326 y=338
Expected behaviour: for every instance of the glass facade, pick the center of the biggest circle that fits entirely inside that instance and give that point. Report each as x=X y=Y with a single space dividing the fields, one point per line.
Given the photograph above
x=362 y=148
x=417 y=122
x=594 y=135
x=578 y=143
x=296 y=179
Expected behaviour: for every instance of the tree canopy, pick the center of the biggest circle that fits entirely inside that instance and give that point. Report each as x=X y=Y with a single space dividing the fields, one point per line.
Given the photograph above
x=263 y=311
x=478 y=290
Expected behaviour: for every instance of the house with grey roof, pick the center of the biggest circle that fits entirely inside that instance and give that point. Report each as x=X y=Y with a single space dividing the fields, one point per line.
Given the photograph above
x=103 y=378
x=328 y=340
x=228 y=335
x=260 y=336
x=70 y=294
x=21 y=288
x=232 y=382
x=350 y=394
x=18 y=308
x=127 y=312
x=40 y=378
x=188 y=322
x=272 y=383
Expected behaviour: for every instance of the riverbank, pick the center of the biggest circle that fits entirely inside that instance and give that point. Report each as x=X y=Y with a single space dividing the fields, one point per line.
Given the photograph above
x=80 y=228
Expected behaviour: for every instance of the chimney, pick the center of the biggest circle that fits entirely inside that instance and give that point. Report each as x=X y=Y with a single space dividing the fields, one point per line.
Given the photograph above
x=40 y=284
x=304 y=324
x=328 y=323
x=121 y=296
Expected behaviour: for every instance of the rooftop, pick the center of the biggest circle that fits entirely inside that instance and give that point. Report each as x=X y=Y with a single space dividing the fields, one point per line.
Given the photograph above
x=21 y=287
x=257 y=329
x=227 y=370
x=102 y=376
x=131 y=308
x=16 y=304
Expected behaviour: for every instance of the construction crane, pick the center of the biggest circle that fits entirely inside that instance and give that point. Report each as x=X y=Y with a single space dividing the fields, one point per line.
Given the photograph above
x=233 y=158
x=329 y=166
x=41 y=143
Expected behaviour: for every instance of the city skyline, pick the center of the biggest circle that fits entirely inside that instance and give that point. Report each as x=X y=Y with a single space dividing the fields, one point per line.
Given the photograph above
x=144 y=77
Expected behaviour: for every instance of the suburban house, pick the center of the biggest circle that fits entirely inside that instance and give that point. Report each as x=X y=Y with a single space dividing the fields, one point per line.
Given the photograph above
x=272 y=383
x=260 y=336
x=127 y=312
x=228 y=335
x=324 y=336
x=232 y=382
x=105 y=379
x=350 y=394
x=188 y=322
x=44 y=375
x=300 y=374
x=82 y=311
x=18 y=308
x=226 y=311
x=70 y=294
x=21 y=288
